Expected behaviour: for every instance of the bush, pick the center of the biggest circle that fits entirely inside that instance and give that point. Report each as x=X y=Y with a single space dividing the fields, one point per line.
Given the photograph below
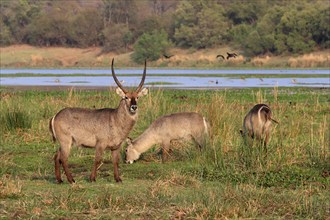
x=151 y=46
x=6 y=37
x=116 y=37
x=15 y=119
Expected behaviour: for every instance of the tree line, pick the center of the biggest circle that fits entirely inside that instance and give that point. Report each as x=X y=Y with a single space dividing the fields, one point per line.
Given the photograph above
x=151 y=27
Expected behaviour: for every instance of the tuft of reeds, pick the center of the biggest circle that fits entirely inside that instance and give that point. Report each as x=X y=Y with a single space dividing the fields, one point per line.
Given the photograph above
x=15 y=119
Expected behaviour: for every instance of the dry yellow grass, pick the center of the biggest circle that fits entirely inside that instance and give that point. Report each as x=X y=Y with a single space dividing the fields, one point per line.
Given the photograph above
x=260 y=61
x=25 y=56
x=9 y=186
x=310 y=60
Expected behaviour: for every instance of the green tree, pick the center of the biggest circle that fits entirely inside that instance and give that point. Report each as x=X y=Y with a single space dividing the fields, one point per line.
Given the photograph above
x=85 y=28
x=239 y=33
x=148 y=25
x=253 y=44
x=119 y=11
x=116 y=37
x=49 y=30
x=246 y=12
x=295 y=29
x=321 y=28
x=199 y=24
x=266 y=27
x=6 y=38
x=15 y=17
x=151 y=46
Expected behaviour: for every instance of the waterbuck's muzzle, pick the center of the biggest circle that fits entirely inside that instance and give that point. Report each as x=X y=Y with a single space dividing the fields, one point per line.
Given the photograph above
x=133 y=108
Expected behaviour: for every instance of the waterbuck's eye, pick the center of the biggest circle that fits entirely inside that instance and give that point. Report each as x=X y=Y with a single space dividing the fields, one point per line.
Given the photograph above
x=126 y=97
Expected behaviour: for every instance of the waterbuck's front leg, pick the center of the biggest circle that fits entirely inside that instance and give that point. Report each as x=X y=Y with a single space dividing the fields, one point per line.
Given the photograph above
x=115 y=160
x=165 y=150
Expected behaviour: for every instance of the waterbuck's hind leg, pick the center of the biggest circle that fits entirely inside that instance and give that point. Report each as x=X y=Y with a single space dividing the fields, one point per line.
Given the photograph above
x=67 y=172
x=115 y=160
x=63 y=158
x=57 y=167
x=98 y=158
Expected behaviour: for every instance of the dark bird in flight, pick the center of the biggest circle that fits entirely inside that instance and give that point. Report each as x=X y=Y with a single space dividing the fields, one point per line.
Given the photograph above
x=231 y=55
x=220 y=56
x=167 y=56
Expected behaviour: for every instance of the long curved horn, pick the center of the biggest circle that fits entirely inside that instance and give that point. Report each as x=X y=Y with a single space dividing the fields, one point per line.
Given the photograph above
x=115 y=78
x=138 y=89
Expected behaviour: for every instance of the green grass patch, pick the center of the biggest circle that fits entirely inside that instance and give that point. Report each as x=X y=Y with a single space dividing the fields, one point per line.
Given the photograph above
x=161 y=83
x=225 y=180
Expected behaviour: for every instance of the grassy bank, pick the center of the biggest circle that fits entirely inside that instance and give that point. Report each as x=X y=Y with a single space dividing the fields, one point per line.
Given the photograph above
x=24 y=56
x=225 y=180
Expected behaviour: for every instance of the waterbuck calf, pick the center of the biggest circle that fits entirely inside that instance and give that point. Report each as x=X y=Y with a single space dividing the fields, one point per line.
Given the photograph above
x=96 y=128
x=257 y=124
x=185 y=125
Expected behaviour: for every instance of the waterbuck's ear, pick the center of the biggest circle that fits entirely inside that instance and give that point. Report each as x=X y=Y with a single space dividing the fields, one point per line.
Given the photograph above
x=120 y=92
x=143 y=92
x=241 y=132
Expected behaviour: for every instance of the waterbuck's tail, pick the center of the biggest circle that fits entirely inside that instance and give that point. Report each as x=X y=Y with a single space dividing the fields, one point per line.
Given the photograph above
x=51 y=128
x=268 y=114
x=266 y=109
x=207 y=129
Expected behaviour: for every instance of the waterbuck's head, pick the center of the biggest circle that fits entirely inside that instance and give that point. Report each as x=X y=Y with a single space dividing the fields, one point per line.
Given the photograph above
x=130 y=153
x=130 y=97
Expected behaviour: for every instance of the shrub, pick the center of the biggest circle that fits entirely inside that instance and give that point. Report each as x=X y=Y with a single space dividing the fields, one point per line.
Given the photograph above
x=116 y=37
x=151 y=46
x=14 y=119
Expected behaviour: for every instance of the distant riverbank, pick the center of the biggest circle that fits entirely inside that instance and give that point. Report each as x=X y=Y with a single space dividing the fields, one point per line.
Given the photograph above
x=25 y=56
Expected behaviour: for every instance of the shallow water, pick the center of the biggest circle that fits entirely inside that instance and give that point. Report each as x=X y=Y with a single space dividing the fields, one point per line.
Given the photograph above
x=177 y=82
x=166 y=81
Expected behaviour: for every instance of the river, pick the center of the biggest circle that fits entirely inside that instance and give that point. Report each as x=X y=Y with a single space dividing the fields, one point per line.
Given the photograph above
x=172 y=78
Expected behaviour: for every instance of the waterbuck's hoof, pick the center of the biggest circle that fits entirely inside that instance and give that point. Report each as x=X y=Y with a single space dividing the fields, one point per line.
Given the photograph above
x=72 y=181
x=92 y=179
x=59 y=181
x=118 y=180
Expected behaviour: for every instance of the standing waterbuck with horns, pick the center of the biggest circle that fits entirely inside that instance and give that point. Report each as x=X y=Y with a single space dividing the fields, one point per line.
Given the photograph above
x=96 y=128
x=257 y=124
x=184 y=125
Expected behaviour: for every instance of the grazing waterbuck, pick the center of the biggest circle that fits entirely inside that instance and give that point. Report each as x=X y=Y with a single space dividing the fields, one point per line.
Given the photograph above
x=257 y=124
x=184 y=125
x=101 y=129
